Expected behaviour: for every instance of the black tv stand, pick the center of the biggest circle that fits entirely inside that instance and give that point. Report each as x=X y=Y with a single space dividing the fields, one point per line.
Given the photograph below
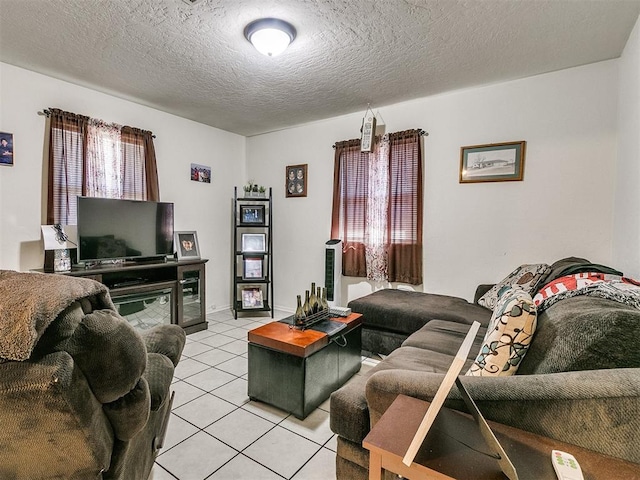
x=184 y=279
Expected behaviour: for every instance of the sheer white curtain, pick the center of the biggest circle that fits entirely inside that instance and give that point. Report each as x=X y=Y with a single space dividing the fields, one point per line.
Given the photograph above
x=104 y=160
x=376 y=217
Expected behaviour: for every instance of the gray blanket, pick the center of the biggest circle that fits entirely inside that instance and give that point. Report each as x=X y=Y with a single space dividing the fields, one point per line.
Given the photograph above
x=29 y=302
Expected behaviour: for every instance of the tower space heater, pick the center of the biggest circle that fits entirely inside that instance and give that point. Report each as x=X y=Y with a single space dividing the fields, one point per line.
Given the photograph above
x=333 y=271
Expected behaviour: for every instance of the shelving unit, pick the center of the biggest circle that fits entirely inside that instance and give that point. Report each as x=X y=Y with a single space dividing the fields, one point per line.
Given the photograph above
x=252 y=254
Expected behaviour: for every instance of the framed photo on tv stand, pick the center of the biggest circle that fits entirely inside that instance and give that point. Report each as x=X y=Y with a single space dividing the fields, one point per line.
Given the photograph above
x=186 y=245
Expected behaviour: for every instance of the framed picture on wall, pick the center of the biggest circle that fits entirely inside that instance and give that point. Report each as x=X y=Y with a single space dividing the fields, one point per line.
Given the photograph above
x=6 y=149
x=186 y=245
x=494 y=162
x=296 y=180
x=200 y=173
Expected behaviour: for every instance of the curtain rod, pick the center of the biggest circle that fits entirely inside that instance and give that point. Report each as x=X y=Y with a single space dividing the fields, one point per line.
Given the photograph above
x=421 y=132
x=47 y=113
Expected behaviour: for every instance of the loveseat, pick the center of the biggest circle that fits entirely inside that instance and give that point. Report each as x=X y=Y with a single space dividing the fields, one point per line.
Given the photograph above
x=82 y=394
x=579 y=381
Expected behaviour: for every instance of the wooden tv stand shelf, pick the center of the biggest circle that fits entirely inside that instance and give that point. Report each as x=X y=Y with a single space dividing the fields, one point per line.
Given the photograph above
x=184 y=279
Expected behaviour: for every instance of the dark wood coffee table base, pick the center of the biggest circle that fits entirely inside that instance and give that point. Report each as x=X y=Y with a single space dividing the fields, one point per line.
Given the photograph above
x=298 y=370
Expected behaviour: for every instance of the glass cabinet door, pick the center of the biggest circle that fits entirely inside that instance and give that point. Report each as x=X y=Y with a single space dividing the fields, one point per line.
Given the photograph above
x=191 y=295
x=146 y=306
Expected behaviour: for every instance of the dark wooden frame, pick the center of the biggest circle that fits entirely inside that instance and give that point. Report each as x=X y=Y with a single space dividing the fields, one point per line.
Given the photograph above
x=294 y=185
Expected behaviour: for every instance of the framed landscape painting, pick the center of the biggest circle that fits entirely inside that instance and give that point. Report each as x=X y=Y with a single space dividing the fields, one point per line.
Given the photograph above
x=494 y=162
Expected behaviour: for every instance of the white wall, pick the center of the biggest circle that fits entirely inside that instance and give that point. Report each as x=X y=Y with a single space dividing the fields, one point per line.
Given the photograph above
x=473 y=233
x=627 y=199
x=205 y=208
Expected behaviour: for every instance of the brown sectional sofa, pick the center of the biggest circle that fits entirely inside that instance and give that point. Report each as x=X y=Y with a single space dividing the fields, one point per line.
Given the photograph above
x=583 y=366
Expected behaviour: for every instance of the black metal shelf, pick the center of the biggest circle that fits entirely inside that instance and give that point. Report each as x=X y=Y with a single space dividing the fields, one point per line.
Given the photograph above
x=264 y=308
x=256 y=199
x=252 y=280
x=265 y=284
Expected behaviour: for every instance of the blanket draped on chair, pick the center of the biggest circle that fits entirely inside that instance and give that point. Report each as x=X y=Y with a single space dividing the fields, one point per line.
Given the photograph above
x=29 y=302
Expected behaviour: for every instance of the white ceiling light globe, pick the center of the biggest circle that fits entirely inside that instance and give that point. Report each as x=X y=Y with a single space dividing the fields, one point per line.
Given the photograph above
x=270 y=42
x=270 y=36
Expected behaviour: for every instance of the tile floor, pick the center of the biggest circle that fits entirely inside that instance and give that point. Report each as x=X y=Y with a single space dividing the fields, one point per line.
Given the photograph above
x=216 y=433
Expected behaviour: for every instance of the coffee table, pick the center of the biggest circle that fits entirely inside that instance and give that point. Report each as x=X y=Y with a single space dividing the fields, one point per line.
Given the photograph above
x=297 y=370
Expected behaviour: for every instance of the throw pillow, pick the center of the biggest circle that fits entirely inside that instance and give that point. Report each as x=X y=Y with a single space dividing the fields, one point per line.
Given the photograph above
x=508 y=336
x=526 y=277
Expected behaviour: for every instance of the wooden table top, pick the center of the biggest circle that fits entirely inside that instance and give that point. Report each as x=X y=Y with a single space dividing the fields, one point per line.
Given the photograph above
x=301 y=343
x=441 y=452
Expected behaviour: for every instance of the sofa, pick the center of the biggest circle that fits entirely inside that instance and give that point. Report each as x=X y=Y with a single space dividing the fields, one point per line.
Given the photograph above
x=582 y=366
x=82 y=394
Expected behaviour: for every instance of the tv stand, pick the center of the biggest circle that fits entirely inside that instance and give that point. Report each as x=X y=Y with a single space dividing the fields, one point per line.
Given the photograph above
x=184 y=280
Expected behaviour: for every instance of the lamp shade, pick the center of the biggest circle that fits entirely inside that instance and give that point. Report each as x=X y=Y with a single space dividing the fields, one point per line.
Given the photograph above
x=270 y=36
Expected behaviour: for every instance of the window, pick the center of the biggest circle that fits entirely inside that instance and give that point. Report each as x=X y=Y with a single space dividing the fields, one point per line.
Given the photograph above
x=377 y=208
x=91 y=158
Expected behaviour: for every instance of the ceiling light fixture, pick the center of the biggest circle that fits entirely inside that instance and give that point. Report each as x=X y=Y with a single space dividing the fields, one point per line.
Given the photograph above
x=270 y=36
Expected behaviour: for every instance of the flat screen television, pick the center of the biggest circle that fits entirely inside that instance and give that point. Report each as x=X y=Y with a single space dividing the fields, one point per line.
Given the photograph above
x=112 y=229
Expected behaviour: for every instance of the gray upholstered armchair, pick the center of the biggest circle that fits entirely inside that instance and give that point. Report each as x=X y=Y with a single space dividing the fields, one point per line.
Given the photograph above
x=82 y=394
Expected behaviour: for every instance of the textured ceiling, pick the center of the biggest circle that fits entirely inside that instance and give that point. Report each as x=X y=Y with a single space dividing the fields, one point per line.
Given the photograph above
x=193 y=61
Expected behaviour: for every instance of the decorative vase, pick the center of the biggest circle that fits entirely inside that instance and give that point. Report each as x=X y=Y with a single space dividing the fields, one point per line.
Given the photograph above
x=299 y=316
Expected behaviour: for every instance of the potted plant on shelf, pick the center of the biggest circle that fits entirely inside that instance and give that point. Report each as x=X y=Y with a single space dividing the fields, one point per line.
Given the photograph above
x=261 y=191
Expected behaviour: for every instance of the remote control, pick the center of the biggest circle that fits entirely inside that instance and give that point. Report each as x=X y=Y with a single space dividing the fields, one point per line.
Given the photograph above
x=566 y=466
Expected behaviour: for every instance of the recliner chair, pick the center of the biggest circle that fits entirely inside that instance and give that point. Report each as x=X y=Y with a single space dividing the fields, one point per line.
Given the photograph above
x=82 y=394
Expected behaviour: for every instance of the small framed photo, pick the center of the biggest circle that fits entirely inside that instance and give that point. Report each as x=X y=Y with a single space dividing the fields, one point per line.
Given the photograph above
x=252 y=215
x=495 y=162
x=252 y=268
x=252 y=297
x=186 y=245
x=296 y=180
x=254 y=242
x=6 y=149
x=200 y=173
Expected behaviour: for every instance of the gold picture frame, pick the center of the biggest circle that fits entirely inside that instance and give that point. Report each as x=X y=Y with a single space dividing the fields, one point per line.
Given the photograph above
x=493 y=162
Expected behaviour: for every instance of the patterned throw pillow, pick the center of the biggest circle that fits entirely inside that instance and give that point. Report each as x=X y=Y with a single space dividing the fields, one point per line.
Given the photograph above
x=526 y=277
x=509 y=334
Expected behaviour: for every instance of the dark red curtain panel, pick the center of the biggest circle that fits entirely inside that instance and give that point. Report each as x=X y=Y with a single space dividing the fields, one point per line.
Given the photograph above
x=139 y=164
x=350 y=204
x=67 y=157
x=405 y=208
